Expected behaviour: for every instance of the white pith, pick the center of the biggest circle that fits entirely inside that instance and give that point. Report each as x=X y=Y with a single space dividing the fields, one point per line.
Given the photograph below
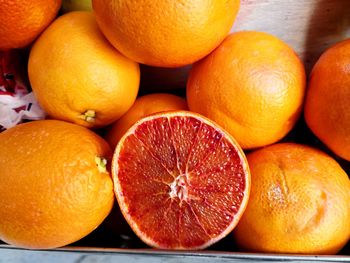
x=179 y=188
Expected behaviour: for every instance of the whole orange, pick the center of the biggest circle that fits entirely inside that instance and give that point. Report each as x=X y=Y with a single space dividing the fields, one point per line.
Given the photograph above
x=299 y=202
x=77 y=76
x=165 y=33
x=143 y=106
x=21 y=21
x=253 y=85
x=327 y=108
x=54 y=185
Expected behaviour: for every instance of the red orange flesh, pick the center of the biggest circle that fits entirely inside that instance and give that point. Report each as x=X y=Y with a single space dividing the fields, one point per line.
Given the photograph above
x=180 y=180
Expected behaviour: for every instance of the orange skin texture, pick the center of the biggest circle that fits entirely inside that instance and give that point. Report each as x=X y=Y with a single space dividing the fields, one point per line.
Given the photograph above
x=82 y=72
x=21 y=21
x=51 y=191
x=165 y=33
x=144 y=106
x=299 y=202
x=327 y=109
x=252 y=85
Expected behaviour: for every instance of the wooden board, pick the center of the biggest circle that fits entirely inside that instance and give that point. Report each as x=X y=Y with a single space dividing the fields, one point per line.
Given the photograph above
x=308 y=26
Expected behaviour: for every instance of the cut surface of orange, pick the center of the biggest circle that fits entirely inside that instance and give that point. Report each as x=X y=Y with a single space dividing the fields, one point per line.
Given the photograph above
x=180 y=180
x=143 y=106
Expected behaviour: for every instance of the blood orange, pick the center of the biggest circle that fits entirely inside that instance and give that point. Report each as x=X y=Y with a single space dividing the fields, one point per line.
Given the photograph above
x=180 y=180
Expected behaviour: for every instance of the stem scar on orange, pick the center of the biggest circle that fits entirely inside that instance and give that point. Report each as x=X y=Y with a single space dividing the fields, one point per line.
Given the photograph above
x=180 y=180
x=86 y=81
x=55 y=187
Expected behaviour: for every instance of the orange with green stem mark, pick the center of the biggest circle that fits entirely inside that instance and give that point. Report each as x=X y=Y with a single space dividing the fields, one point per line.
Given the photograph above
x=86 y=81
x=55 y=187
x=89 y=116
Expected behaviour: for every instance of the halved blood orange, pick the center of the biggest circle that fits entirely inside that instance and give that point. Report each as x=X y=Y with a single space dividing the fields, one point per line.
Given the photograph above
x=181 y=181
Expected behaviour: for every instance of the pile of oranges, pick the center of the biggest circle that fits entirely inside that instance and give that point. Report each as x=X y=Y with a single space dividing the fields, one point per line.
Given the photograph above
x=246 y=90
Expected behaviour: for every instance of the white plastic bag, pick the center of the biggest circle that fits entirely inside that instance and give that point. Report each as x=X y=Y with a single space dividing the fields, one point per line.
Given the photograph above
x=17 y=106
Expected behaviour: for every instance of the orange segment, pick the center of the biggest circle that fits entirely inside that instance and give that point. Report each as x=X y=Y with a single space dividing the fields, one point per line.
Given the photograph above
x=153 y=174
x=181 y=126
x=180 y=180
x=205 y=144
x=156 y=137
x=222 y=196
x=143 y=106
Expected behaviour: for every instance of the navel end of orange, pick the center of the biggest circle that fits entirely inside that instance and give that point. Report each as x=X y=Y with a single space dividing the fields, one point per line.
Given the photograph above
x=101 y=163
x=88 y=116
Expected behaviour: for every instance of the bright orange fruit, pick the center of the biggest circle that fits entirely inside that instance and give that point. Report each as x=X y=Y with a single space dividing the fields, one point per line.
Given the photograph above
x=327 y=108
x=21 y=21
x=85 y=81
x=252 y=85
x=54 y=185
x=299 y=202
x=165 y=33
x=144 y=106
x=180 y=180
